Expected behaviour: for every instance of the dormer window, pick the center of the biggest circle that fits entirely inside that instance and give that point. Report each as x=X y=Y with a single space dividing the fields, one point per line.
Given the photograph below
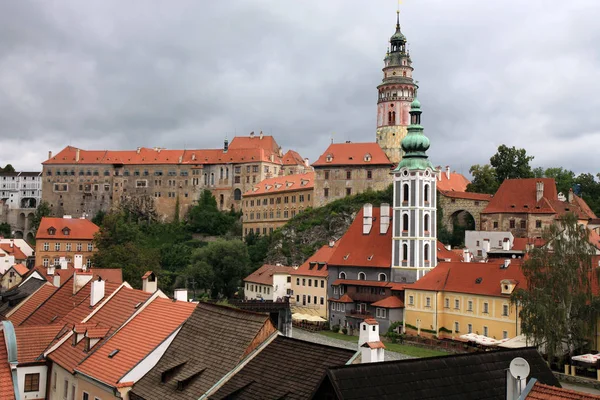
x=51 y=231
x=367 y=157
x=329 y=158
x=507 y=286
x=66 y=231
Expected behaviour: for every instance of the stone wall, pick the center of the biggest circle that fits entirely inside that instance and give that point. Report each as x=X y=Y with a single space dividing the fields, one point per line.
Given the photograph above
x=452 y=205
x=336 y=185
x=522 y=225
x=389 y=139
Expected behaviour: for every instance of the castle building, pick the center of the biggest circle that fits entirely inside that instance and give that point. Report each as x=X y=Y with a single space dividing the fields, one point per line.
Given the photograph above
x=81 y=182
x=414 y=214
x=20 y=194
x=395 y=93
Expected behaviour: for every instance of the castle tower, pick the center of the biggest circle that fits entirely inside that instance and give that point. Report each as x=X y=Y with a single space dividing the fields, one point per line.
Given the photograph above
x=414 y=250
x=396 y=92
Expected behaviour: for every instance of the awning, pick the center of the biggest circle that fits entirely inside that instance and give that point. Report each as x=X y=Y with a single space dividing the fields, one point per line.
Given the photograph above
x=587 y=358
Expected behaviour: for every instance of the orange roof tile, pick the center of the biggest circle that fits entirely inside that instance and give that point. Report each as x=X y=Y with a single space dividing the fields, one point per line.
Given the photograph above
x=147 y=274
x=389 y=302
x=443 y=254
x=33 y=340
x=539 y=391
x=6 y=383
x=266 y=142
x=13 y=251
x=344 y=299
x=114 y=275
x=357 y=249
x=321 y=258
x=292 y=158
x=584 y=207
x=20 y=269
x=371 y=321
x=519 y=196
x=264 y=275
x=466 y=195
x=83 y=309
x=135 y=340
x=31 y=303
x=374 y=345
x=77 y=229
x=456 y=183
x=353 y=154
x=520 y=244
x=472 y=278
x=281 y=184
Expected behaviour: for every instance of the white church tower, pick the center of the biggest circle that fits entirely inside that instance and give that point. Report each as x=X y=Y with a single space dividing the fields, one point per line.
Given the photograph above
x=414 y=250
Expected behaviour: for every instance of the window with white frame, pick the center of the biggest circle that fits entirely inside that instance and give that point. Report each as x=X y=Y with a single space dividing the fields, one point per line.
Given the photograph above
x=456 y=304
x=411 y=300
x=68 y=247
x=380 y=312
x=46 y=246
x=336 y=290
x=456 y=326
x=342 y=275
x=427 y=301
x=505 y=310
x=332 y=306
x=362 y=276
x=485 y=308
x=485 y=331
x=56 y=246
x=470 y=305
x=446 y=303
x=45 y=262
x=469 y=328
x=78 y=246
x=90 y=247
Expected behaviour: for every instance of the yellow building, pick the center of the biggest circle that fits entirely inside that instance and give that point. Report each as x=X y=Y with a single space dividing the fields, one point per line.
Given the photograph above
x=272 y=202
x=68 y=238
x=458 y=298
x=309 y=283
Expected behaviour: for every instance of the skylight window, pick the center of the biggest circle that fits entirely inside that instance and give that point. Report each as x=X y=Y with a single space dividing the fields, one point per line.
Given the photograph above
x=113 y=353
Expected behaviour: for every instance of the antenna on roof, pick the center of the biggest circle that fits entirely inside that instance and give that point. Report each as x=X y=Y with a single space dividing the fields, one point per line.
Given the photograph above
x=332 y=134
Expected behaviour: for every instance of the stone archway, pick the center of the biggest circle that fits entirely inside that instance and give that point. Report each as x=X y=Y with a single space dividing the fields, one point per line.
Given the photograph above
x=30 y=238
x=21 y=222
x=461 y=221
x=18 y=235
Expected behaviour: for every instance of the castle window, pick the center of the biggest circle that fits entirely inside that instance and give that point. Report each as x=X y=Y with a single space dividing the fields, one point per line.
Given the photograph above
x=405 y=193
x=362 y=276
x=382 y=277
x=348 y=174
x=426 y=252
x=512 y=223
x=426 y=223
x=523 y=224
x=405 y=222
x=369 y=174
x=404 y=252
x=426 y=194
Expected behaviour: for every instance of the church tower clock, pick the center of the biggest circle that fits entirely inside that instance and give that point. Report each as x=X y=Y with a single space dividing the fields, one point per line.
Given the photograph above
x=395 y=93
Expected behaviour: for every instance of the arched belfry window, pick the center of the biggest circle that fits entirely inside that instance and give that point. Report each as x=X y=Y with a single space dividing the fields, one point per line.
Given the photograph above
x=426 y=252
x=405 y=222
x=426 y=193
x=405 y=193
x=405 y=252
x=426 y=222
x=362 y=276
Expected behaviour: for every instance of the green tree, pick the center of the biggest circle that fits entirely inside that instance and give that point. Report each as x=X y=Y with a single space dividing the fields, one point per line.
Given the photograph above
x=563 y=177
x=511 y=163
x=221 y=266
x=99 y=218
x=590 y=190
x=557 y=304
x=207 y=219
x=5 y=230
x=484 y=179
x=7 y=168
x=42 y=211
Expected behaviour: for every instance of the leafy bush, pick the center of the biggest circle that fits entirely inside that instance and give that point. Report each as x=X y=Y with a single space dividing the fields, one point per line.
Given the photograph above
x=345 y=331
x=335 y=328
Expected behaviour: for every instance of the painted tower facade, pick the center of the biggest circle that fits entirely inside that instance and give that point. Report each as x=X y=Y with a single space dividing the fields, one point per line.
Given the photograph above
x=414 y=250
x=395 y=93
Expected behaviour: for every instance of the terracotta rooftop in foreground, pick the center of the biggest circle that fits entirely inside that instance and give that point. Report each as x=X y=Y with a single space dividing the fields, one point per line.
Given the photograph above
x=282 y=184
x=135 y=340
x=264 y=275
x=13 y=251
x=539 y=391
x=316 y=265
x=363 y=154
x=31 y=303
x=66 y=229
x=33 y=340
x=6 y=383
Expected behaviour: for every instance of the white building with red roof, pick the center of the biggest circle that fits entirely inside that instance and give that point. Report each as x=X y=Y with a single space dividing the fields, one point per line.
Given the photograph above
x=269 y=282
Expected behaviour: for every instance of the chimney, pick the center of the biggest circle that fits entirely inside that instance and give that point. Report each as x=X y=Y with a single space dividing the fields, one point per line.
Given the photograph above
x=384 y=219
x=272 y=157
x=63 y=263
x=194 y=155
x=506 y=263
x=570 y=196
x=138 y=150
x=181 y=295
x=67 y=217
x=369 y=344
x=261 y=135
x=149 y=282
x=97 y=291
x=252 y=135
x=49 y=155
x=539 y=190
x=506 y=244
x=448 y=172
x=466 y=255
x=225 y=147
x=80 y=279
x=12 y=244
x=78 y=261
x=77 y=155
x=331 y=243
x=50 y=270
x=56 y=280
x=367 y=218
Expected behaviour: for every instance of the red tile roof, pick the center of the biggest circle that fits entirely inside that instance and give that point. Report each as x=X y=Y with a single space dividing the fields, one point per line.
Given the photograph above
x=79 y=229
x=264 y=275
x=20 y=269
x=322 y=256
x=282 y=184
x=461 y=277
x=6 y=383
x=584 y=206
x=371 y=321
x=457 y=182
x=147 y=274
x=539 y=391
x=292 y=158
x=344 y=299
x=374 y=345
x=353 y=154
x=266 y=142
x=520 y=244
x=466 y=195
x=389 y=302
x=83 y=309
x=13 y=251
x=357 y=249
x=114 y=275
x=443 y=254
x=519 y=196
x=33 y=340
x=135 y=340
x=31 y=303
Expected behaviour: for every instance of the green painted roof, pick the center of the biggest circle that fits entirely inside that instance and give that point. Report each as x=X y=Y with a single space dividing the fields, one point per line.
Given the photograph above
x=415 y=144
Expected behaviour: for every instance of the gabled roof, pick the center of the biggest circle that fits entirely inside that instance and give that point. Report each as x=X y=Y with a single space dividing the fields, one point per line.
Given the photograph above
x=344 y=299
x=31 y=303
x=79 y=229
x=472 y=278
x=359 y=250
x=539 y=391
x=287 y=369
x=474 y=376
x=292 y=158
x=33 y=340
x=209 y=345
x=106 y=320
x=283 y=184
x=135 y=340
x=443 y=254
x=466 y=195
x=316 y=265
x=365 y=154
x=20 y=269
x=264 y=275
x=265 y=142
x=114 y=275
x=13 y=251
x=18 y=294
x=6 y=382
x=456 y=183
x=389 y=302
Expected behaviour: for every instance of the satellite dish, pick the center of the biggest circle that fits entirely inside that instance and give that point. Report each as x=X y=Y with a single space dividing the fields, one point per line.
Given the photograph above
x=519 y=368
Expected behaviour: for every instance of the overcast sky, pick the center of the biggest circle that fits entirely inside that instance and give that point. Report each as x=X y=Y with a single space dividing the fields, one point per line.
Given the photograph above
x=113 y=74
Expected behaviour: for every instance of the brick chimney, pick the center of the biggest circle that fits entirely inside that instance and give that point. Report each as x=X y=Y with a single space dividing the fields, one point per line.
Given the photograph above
x=570 y=196
x=384 y=218
x=367 y=218
x=539 y=190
